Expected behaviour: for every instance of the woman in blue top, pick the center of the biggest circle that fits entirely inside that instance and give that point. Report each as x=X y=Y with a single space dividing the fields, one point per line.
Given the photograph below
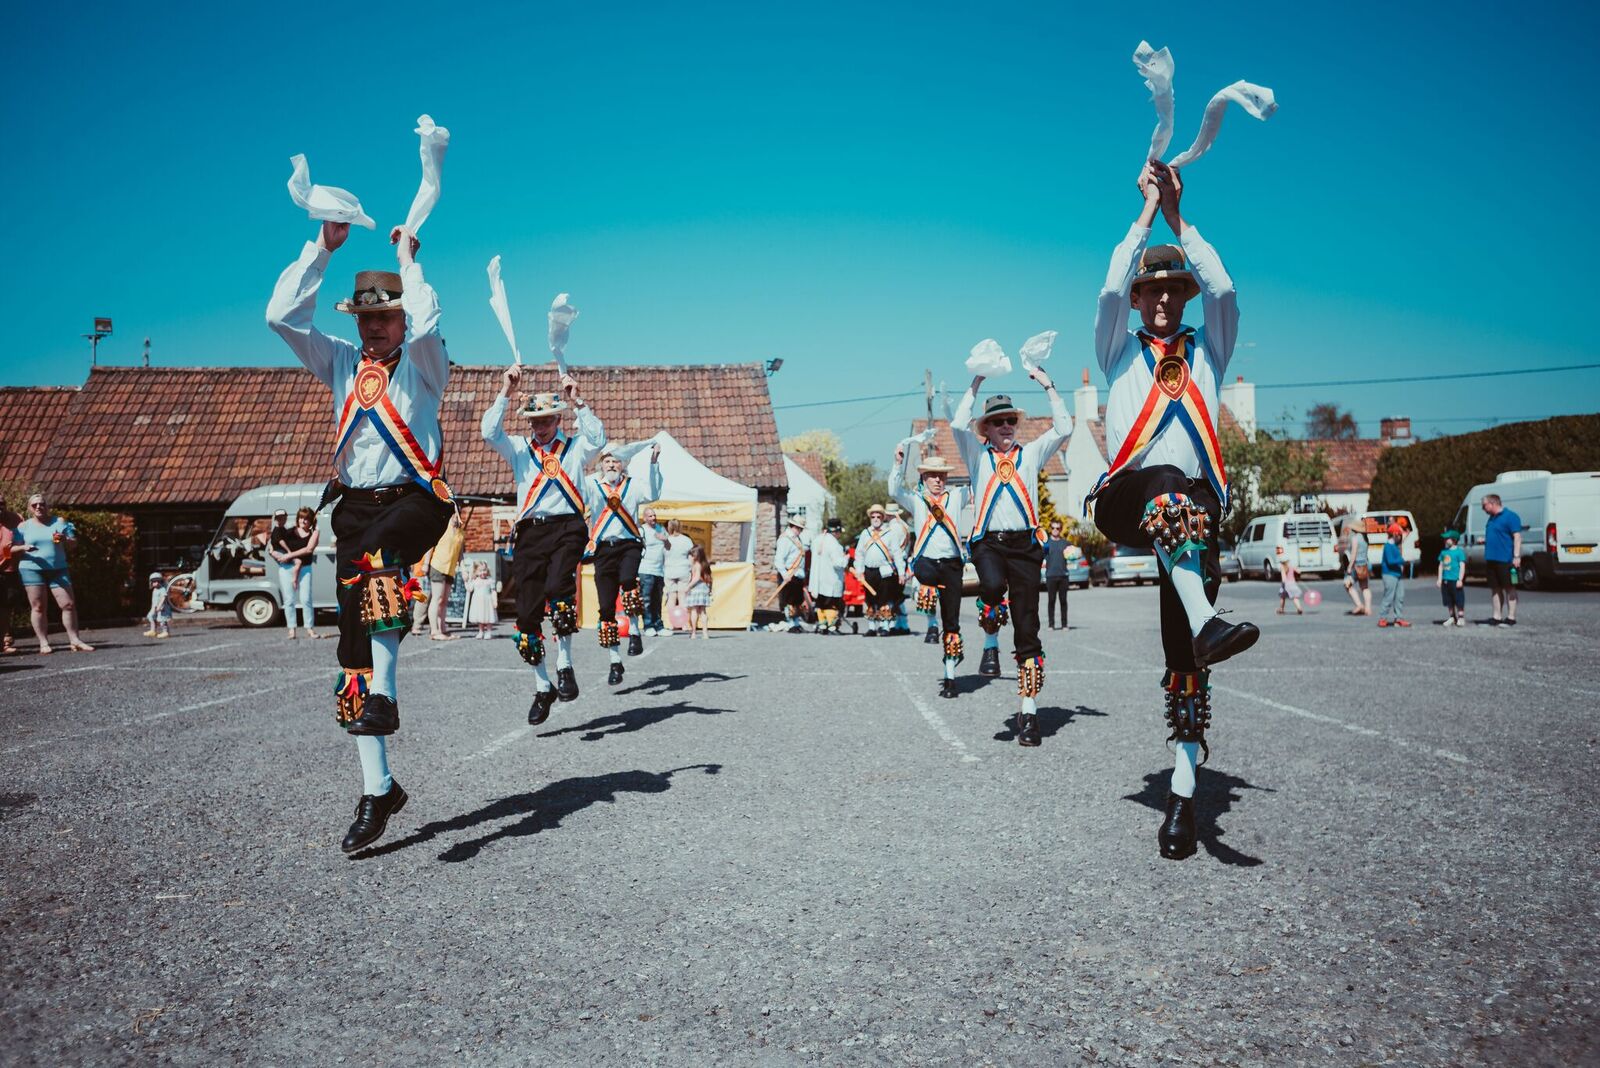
x=43 y=540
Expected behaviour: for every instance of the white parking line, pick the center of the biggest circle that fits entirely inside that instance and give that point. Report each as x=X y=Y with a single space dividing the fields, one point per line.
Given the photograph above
x=1496 y=675
x=127 y=663
x=498 y=744
x=933 y=719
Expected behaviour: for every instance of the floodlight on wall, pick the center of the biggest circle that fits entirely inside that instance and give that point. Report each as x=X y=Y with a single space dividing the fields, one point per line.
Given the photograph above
x=102 y=328
x=774 y=365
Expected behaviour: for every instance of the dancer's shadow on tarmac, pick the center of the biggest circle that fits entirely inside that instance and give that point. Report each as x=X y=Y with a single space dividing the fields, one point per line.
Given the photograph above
x=665 y=684
x=542 y=810
x=1214 y=796
x=634 y=719
x=1051 y=720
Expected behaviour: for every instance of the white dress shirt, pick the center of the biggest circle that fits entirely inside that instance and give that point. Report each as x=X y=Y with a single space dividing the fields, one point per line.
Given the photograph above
x=828 y=563
x=791 y=552
x=518 y=452
x=1121 y=354
x=941 y=546
x=869 y=555
x=638 y=494
x=416 y=382
x=1029 y=459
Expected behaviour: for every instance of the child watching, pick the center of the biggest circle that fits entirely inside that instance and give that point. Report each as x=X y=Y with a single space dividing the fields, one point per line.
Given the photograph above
x=1393 y=569
x=160 y=615
x=1452 y=580
x=698 y=596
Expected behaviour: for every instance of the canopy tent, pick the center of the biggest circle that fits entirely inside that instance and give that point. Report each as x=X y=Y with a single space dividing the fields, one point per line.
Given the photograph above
x=698 y=497
x=808 y=498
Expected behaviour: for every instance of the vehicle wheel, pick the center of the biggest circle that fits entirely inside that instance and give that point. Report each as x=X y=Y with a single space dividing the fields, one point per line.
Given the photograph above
x=1529 y=577
x=256 y=610
x=1233 y=578
x=1269 y=573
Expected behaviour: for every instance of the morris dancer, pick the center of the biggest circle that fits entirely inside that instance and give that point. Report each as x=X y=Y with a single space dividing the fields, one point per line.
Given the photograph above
x=1007 y=545
x=789 y=567
x=1167 y=489
x=613 y=498
x=937 y=555
x=550 y=534
x=900 y=530
x=828 y=564
x=880 y=563
x=393 y=500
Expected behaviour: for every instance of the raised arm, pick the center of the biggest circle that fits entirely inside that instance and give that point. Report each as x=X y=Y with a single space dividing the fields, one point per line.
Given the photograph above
x=657 y=483
x=1217 y=298
x=1111 y=315
x=492 y=426
x=1039 y=450
x=967 y=442
x=294 y=303
x=591 y=432
x=424 y=345
x=897 y=482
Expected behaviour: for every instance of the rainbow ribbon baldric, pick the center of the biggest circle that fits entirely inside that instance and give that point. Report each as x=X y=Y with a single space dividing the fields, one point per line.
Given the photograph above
x=1005 y=479
x=369 y=403
x=551 y=473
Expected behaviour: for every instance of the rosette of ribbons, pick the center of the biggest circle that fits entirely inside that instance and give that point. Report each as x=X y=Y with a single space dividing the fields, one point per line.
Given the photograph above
x=1157 y=66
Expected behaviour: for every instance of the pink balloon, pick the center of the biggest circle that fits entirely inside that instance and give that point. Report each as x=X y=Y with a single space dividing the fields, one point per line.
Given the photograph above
x=1313 y=598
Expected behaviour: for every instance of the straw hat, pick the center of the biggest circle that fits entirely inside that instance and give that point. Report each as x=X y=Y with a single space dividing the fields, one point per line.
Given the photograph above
x=541 y=404
x=376 y=291
x=795 y=519
x=876 y=509
x=934 y=464
x=1165 y=261
x=999 y=404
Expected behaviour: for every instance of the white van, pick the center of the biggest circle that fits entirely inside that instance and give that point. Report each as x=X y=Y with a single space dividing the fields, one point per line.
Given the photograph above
x=1560 y=523
x=1374 y=526
x=1309 y=536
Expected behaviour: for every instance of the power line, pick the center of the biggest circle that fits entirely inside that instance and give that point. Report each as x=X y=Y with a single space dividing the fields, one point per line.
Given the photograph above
x=847 y=400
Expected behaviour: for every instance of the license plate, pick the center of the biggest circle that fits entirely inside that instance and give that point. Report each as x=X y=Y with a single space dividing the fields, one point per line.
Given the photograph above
x=1578 y=550
x=1308 y=548
x=1140 y=567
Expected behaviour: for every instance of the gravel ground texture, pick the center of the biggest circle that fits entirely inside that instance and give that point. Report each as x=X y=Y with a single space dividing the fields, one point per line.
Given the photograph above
x=784 y=849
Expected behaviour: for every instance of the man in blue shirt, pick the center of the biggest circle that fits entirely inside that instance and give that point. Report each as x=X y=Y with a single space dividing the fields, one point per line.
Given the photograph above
x=1502 y=552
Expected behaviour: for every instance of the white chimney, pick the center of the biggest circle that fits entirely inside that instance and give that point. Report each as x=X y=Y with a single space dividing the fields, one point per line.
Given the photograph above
x=1087 y=400
x=1239 y=397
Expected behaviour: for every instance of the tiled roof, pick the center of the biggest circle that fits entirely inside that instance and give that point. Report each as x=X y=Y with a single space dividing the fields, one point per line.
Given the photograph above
x=811 y=464
x=182 y=435
x=29 y=416
x=1351 y=464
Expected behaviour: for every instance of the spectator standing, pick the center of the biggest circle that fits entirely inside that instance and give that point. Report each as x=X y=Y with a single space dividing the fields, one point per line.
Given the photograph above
x=482 y=592
x=1056 y=581
x=45 y=539
x=1393 y=569
x=160 y=615
x=1358 y=572
x=11 y=595
x=441 y=574
x=1288 y=584
x=1502 y=553
x=1452 y=579
x=652 y=562
x=697 y=596
x=294 y=548
x=675 y=568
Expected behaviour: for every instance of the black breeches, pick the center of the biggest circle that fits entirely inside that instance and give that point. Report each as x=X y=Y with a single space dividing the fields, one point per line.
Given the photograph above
x=1055 y=589
x=792 y=594
x=544 y=566
x=1008 y=562
x=404 y=530
x=946 y=575
x=616 y=568
x=885 y=591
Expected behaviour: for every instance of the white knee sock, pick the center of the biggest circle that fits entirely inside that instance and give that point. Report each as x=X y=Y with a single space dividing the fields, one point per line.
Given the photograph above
x=616 y=654
x=375 y=777
x=949 y=668
x=1030 y=706
x=991 y=641
x=385 y=659
x=635 y=625
x=544 y=676
x=563 y=651
x=1183 y=768
x=1190 y=583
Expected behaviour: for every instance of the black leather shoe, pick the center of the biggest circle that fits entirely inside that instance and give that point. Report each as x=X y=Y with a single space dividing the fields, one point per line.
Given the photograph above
x=989 y=663
x=947 y=688
x=932 y=637
x=372 y=816
x=379 y=715
x=871 y=634
x=1218 y=640
x=1027 y=729
x=566 y=684
x=616 y=675
x=539 y=711
x=635 y=645
x=1177 y=830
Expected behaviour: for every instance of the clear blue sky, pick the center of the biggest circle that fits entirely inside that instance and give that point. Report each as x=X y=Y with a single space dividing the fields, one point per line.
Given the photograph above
x=862 y=190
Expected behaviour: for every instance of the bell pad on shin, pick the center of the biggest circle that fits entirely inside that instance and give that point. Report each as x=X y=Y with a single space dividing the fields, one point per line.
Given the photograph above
x=952 y=647
x=1175 y=524
x=1188 y=707
x=607 y=633
x=350 y=689
x=632 y=602
x=531 y=646
x=928 y=599
x=1030 y=676
x=563 y=618
x=383 y=601
x=991 y=617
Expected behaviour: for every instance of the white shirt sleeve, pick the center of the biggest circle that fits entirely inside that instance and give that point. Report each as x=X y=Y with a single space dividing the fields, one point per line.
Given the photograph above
x=1111 y=316
x=1217 y=297
x=655 y=486
x=900 y=491
x=424 y=345
x=494 y=432
x=967 y=442
x=290 y=311
x=1038 y=451
x=591 y=436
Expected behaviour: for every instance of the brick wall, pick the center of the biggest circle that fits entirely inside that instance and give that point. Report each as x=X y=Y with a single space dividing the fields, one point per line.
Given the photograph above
x=769 y=509
x=480 y=528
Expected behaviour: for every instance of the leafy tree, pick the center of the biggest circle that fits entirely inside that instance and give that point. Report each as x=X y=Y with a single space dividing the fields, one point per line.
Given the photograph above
x=1087 y=537
x=1330 y=422
x=1047 y=506
x=854 y=488
x=823 y=442
x=1267 y=474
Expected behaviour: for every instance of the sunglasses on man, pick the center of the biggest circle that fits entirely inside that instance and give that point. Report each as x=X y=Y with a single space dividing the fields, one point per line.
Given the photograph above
x=1004 y=420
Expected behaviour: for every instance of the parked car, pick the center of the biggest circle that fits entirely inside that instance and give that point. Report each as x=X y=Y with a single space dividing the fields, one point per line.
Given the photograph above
x=1126 y=563
x=1560 y=523
x=1078 y=572
x=1375 y=526
x=1228 y=563
x=236 y=572
x=1308 y=535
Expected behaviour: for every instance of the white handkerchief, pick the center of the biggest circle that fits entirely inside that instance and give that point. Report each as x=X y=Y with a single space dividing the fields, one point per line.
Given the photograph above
x=1257 y=101
x=502 y=310
x=561 y=315
x=988 y=360
x=325 y=202
x=1036 y=349
x=1156 y=68
x=435 y=139
x=631 y=449
x=944 y=396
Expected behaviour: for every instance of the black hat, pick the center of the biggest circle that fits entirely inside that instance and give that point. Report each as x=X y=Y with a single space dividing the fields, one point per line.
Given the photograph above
x=835 y=523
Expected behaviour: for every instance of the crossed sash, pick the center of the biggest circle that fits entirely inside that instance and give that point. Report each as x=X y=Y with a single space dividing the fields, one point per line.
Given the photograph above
x=799 y=558
x=614 y=509
x=369 y=402
x=939 y=518
x=888 y=556
x=1174 y=395
x=551 y=474
x=1004 y=481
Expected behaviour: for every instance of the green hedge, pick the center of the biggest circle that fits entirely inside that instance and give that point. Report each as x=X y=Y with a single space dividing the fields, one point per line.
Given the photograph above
x=1430 y=478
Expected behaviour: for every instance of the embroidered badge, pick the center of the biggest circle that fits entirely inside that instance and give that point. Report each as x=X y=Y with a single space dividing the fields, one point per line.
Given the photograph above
x=371 y=381
x=552 y=466
x=1172 y=375
x=1005 y=470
